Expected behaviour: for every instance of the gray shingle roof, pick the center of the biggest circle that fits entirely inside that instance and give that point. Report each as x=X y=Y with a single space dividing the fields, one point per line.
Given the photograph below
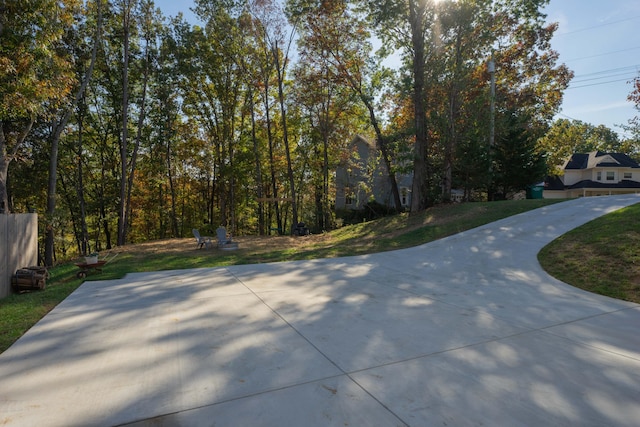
x=600 y=159
x=587 y=183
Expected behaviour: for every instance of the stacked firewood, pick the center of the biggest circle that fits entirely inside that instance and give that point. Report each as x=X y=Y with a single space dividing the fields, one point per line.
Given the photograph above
x=29 y=278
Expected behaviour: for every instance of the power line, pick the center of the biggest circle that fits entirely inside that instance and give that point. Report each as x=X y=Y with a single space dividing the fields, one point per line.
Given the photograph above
x=629 y=72
x=608 y=76
x=598 y=26
x=603 y=54
x=611 y=70
x=612 y=77
x=568 y=117
x=598 y=84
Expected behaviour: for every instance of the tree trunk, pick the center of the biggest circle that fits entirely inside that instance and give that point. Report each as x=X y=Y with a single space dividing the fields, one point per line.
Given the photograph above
x=84 y=234
x=7 y=154
x=420 y=165
x=256 y=154
x=55 y=141
x=272 y=166
x=4 y=170
x=103 y=210
x=136 y=148
x=285 y=134
x=382 y=145
x=326 y=219
x=172 y=190
x=450 y=146
x=122 y=216
x=73 y=215
x=454 y=111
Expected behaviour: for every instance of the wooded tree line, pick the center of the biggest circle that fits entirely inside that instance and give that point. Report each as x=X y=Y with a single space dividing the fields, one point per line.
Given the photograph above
x=120 y=125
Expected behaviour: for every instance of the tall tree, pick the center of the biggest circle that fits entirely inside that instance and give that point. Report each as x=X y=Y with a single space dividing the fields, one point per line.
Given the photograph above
x=165 y=117
x=460 y=48
x=127 y=16
x=251 y=63
x=62 y=118
x=448 y=37
x=281 y=49
x=406 y=25
x=418 y=16
x=528 y=75
x=150 y=23
x=326 y=97
x=221 y=88
x=278 y=38
x=332 y=30
x=264 y=14
x=35 y=75
x=518 y=161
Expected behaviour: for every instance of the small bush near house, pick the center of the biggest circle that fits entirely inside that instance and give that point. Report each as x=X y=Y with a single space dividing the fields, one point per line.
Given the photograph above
x=371 y=210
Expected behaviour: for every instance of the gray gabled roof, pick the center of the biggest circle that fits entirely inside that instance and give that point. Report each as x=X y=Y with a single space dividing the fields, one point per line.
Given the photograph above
x=600 y=159
x=587 y=183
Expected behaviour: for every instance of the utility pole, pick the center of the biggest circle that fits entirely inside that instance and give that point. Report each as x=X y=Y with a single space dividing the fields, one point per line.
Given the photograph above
x=491 y=66
x=492 y=128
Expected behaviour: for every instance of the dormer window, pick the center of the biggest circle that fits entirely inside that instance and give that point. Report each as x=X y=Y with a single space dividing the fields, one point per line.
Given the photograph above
x=628 y=175
x=599 y=176
x=611 y=175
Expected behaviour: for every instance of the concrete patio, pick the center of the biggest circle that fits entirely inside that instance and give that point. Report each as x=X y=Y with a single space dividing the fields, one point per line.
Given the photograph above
x=467 y=330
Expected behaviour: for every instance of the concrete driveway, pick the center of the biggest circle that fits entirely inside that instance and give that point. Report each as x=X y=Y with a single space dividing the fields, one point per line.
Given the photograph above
x=464 y=331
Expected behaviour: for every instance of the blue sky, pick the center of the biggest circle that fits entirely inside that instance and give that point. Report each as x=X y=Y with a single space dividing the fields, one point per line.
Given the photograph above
x=598 y=39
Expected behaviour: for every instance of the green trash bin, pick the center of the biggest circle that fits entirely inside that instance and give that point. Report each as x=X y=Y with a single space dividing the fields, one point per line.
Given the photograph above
x=535 y=191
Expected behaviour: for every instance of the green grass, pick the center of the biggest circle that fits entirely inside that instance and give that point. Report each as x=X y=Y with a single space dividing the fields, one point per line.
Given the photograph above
x=395 y=232
x=602 y=256
x=19 y=312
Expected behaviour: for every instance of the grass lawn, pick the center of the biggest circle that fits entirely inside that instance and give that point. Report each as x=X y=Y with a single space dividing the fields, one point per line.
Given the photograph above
x=19 y=312
x=602 y=256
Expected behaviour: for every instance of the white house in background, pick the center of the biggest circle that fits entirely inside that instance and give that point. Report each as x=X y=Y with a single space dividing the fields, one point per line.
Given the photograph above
x=362 y=177
x=595 y=174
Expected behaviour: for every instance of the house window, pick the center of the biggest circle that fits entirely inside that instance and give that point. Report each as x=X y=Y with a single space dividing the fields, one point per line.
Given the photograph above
x=627 y=175
x=403 y=196
x=599 y=176
x=348 y=196
x=611 y=176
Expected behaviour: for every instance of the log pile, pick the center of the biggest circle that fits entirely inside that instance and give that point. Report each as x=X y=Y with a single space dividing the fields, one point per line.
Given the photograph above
x=29 y=279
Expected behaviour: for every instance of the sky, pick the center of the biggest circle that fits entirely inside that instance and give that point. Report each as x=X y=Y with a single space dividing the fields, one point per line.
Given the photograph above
x=599 y=40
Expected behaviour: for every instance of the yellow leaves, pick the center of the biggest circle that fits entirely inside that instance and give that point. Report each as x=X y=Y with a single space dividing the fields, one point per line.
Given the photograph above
x=35 y=73
x=6 y=66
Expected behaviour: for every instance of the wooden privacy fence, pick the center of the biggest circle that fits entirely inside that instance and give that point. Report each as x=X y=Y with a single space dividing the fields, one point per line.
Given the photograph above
x=18 y=246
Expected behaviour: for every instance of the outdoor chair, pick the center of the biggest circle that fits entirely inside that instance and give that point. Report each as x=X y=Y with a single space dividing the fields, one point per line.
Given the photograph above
x=301 y=230
x=225 y=241
x=201 y=241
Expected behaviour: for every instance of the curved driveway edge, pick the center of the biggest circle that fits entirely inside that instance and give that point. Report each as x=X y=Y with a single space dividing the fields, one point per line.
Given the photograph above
x=467 y=330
